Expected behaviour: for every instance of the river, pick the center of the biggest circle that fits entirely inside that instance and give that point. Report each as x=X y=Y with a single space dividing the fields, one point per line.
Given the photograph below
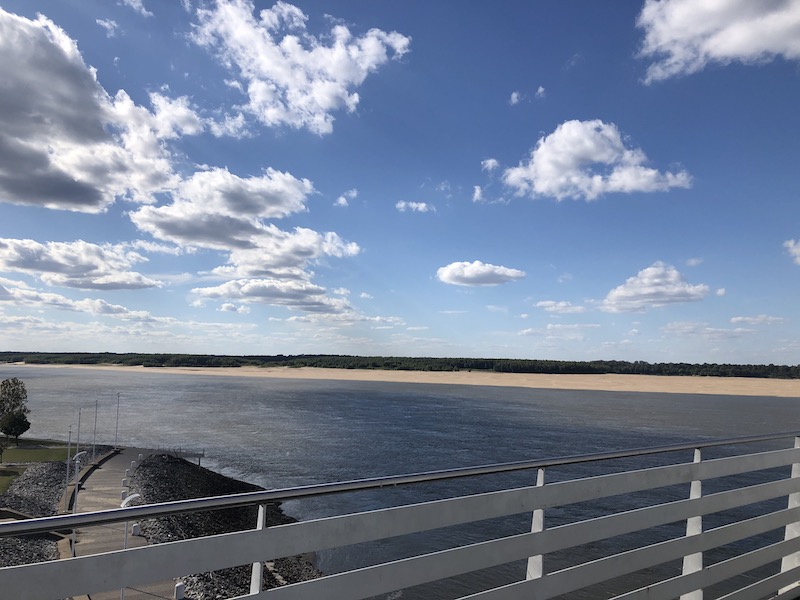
x=286 y=432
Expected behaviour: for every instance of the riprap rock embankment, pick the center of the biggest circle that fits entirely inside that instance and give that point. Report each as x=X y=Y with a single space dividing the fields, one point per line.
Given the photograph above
x=163 y=478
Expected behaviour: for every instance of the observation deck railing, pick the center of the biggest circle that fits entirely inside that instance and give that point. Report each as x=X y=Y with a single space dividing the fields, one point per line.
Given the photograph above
x=632 y=531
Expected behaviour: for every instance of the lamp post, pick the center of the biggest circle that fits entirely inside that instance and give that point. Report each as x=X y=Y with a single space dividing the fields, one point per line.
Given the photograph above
x=69 y=444
x=78 y=440
x=76 y=459
x=94 y=436
x=125 y=542
x=116 y=428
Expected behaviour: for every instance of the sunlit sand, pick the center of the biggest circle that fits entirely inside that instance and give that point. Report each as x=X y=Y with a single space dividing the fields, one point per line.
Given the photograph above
x=727 y=386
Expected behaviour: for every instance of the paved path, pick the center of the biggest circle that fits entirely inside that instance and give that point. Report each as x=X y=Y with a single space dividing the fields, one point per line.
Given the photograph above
x=101 y=491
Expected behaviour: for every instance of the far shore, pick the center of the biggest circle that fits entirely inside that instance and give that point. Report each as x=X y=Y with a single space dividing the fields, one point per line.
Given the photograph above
x=725 y=386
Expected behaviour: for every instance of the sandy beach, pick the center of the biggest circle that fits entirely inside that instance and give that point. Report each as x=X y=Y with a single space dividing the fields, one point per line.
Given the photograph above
x=727 y=386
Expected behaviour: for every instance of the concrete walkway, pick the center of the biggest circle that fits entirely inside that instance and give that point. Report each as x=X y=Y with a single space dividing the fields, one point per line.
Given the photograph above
x=102 y=490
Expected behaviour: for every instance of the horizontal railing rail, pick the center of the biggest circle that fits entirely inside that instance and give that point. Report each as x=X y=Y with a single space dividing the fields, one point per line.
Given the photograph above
x=750 y=498
x=147 y=511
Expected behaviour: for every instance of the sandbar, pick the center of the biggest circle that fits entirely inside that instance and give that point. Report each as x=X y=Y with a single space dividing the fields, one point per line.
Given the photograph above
x=726 y=386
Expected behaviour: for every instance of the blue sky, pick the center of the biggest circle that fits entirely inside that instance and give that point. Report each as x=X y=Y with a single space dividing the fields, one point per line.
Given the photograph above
x=570 y=180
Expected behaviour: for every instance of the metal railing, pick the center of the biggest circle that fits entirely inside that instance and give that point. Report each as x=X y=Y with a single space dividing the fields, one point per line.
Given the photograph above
x=761 y=538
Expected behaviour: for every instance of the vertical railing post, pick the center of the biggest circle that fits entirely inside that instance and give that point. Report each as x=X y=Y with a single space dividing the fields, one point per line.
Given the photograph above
x=792 y=529
x=694 y=526
x=256 y=575
x=535 y=568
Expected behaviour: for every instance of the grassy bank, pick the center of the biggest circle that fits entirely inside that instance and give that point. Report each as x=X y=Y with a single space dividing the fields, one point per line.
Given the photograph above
x=28 y=451
x=8 y=475
x=15 y=454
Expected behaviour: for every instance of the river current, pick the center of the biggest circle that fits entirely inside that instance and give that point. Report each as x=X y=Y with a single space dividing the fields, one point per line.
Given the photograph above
x=285 y=432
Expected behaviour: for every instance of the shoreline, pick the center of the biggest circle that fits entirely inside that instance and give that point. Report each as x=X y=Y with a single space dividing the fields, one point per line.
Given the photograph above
x=673 y=384
x=162 y=477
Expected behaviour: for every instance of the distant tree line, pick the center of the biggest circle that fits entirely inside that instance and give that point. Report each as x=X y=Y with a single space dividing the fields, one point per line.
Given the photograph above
x=500 y=365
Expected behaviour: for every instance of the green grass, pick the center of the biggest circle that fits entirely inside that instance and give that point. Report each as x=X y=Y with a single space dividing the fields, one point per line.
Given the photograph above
x=27 y=442
x=28 y=451
x=23 y=454
x=7 y=476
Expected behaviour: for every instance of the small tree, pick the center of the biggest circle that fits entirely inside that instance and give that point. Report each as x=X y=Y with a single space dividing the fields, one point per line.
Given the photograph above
x=14 y=425
x=3 y=446
x=13 y=397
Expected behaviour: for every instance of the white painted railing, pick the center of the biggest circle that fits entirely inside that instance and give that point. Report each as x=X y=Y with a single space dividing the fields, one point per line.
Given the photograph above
x=762 y=539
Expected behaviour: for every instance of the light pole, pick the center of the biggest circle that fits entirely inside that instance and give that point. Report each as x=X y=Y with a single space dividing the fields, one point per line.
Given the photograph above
x=76 y=459
x=78 y=441
x=94 y=436
x=69 y=444
x=116 y=429
x=125 y=542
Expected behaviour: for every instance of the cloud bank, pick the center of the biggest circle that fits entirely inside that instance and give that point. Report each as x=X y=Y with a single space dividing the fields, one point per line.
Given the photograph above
x=66 y=144
x=75 y=264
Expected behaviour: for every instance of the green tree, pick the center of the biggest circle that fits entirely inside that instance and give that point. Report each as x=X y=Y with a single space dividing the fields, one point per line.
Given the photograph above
x=13 y=397
x=14 y=425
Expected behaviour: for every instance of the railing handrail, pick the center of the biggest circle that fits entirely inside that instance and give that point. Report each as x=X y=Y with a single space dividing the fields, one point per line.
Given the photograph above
x=148 y=511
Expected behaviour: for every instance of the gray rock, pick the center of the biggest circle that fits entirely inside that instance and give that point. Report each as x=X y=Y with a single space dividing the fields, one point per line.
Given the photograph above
x=35 y=493
x=163 y=478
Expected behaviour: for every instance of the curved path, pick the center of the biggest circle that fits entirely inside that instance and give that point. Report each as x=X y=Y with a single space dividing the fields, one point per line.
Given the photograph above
x=102 y=490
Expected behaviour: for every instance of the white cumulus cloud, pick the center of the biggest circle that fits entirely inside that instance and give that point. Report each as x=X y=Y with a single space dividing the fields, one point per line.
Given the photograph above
x=344 y=199
x=658 y=285
x=109 y=25
x=586 y=159
x=217 y=209
x=285 y=254
x=30 y=298
x=76 y=264
x=793 y=248
x=231 y=307
x=489 y=164
x=65 y=143
x=422 y=207
x=477 y=273
x=684 y=36
x=291 y=77
x=138 y=7
x=297 y=295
